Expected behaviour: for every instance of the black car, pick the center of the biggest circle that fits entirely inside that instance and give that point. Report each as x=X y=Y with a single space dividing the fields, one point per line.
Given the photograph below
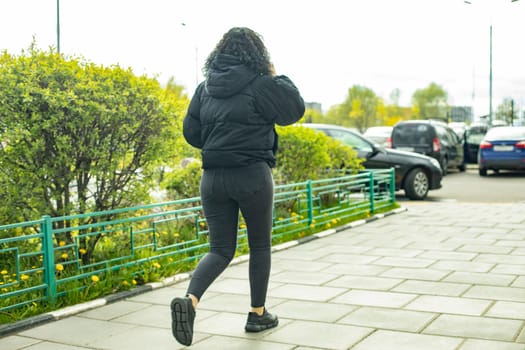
x=432 y=138
x=416 y=174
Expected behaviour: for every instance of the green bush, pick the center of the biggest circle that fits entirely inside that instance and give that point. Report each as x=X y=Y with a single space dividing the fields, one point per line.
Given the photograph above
x=307 y=154
x=184 y=182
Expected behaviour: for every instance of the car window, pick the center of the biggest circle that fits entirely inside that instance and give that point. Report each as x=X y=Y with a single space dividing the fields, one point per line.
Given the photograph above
x=412 y=134
x=443 y=134
x=350 y=139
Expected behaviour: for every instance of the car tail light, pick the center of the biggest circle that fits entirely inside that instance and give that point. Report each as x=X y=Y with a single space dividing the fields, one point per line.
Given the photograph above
x=485 y=145
x=436 y=145
x=520 y=144
x=389 y=142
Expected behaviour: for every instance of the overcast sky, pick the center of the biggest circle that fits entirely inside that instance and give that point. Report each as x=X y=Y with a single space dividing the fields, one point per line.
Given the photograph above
x=325 y=47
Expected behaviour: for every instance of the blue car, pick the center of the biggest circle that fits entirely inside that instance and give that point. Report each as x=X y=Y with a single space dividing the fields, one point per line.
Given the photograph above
x=502 y=148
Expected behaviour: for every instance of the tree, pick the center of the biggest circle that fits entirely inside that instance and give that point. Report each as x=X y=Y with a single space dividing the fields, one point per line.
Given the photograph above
x=506 y=111
x=359 y=110
x=430 y=103
x=78 y=137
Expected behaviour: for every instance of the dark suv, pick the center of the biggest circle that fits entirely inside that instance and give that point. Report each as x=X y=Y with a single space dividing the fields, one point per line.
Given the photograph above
x=432 y=138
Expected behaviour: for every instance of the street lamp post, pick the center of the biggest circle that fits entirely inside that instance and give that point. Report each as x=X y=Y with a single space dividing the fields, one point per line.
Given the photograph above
x=58 y=26
x=490 y=72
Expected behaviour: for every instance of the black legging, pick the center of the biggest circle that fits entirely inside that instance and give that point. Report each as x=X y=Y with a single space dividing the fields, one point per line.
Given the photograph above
x=223 y=192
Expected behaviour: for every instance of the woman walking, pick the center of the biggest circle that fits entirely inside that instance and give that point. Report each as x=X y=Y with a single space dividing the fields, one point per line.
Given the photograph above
x=232 y=118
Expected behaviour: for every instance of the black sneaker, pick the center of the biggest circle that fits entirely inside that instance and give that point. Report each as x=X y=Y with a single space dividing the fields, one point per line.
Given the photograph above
x=182 y=317
x=256 y=323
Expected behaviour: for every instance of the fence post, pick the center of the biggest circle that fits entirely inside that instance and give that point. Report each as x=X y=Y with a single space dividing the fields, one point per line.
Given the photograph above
x=49 y=258
x=392 y=185
x=372 y=190
x=310 y=202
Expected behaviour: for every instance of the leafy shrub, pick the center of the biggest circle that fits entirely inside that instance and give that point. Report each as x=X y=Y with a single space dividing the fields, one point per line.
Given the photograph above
x=307 y=154
x=184 y=182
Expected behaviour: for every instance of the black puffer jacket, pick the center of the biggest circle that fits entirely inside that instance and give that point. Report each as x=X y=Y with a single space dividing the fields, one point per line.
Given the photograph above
x=232 y=115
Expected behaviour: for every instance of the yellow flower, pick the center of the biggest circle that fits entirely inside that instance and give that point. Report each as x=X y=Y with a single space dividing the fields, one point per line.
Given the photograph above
x=82 y=251
x=62 y=243
x=133 y=282
x=3 y=272
x=156 y=265
x=242 y=226
x=4 y=290
x=176 y=235
x=294 y=214
x=95 y=278
x=24 y=277
x=125 y=283
x=312 y=225
x=59 y=267
x=334 y=221
x=64 y=256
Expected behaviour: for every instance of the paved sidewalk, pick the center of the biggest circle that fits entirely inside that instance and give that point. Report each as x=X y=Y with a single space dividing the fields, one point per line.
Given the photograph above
x=439 y=275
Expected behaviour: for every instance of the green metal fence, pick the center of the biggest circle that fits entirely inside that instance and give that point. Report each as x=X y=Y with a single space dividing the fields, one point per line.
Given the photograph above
x=44 y=260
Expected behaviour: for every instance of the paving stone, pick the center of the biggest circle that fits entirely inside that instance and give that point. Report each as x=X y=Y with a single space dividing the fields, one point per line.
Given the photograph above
x=501 y=259
x=300 y=277
x=475 y=327
x=432 y=288
x=477 y=248
x=395 y=252
x=312 y=311
x=319 y=335
x=375 y=298
x=353 y=269
x=507 y=309
x=446 y=246
x=465 y=266
x=394 y=319
x=476 y=344
x=365 y=282
x=138 y=338
x=451 y=305
x=519 y=282
x=53 y=346
x=404 y=262
x=15 y=342
x=480 y=278
x=114 y=310
x=496 y=293
x=218 y=342
x=349 y=258
x=415 y=273
x=66 y=331
x=292 y=265
x=303 y=292
x=509 y=269
x=388 y=340
x=442 y=255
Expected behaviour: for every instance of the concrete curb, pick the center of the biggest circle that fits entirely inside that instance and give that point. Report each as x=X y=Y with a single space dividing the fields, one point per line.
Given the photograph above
x=78 y=308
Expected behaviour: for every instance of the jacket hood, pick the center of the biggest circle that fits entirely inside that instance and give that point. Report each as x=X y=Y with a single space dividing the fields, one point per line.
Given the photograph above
x=227 y=76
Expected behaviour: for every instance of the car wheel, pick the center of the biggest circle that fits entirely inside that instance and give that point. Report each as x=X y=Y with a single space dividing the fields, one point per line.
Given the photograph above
x=482 y=172
x=417 y=184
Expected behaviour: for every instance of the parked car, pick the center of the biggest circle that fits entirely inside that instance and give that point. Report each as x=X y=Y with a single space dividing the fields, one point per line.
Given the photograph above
x=473 y=137
x=502 y=148
x=379 y=134
x=432 y=138
x=414 y=173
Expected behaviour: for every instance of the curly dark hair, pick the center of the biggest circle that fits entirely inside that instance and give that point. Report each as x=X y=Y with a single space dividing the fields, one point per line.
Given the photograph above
x=245 y=44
